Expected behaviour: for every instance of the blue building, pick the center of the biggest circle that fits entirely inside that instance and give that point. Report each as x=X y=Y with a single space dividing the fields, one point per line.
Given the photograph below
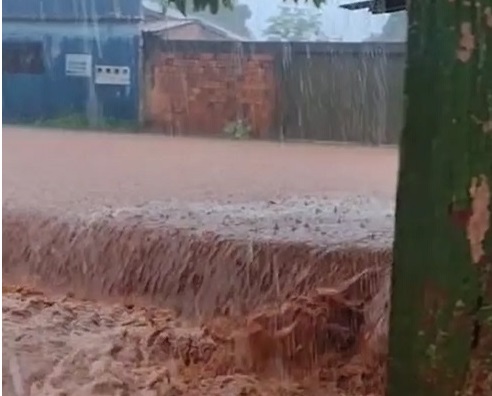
x=65 y=58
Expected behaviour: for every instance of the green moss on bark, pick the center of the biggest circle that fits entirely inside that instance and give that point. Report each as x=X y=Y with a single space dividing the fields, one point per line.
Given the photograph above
x=440 y=335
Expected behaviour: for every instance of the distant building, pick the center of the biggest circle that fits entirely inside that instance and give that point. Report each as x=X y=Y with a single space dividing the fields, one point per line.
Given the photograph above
x=71 y=58
x=188 y=29
x=172 y=25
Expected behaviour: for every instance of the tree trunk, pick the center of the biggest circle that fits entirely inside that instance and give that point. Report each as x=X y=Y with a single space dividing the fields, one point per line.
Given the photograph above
x=441 y=316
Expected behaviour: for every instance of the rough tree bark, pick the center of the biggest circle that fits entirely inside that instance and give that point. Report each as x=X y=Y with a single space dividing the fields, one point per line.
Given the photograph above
x=441 y=316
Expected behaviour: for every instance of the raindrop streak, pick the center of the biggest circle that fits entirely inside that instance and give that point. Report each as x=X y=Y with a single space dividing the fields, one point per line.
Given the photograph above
x=95 y=26
x=91 y=104
x=210 y=260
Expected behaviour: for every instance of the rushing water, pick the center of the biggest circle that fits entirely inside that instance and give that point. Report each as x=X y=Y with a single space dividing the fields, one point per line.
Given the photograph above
x=279 y=297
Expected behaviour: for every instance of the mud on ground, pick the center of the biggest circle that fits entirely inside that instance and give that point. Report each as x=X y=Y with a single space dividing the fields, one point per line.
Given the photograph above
x=73 y=347
x=230 y=283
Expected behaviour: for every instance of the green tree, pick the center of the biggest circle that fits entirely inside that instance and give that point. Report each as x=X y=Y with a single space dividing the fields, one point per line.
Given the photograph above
x=441 y=315
x=294 y=24
x=214 y=5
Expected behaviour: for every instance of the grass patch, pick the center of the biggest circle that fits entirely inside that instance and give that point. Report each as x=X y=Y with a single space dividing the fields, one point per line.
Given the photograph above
x=79 y=122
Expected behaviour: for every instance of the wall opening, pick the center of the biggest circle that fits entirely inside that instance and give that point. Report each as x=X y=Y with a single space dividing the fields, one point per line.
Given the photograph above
x=23 y=57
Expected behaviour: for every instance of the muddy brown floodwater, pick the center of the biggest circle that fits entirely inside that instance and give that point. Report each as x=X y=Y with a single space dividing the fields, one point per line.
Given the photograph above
x=146 y=265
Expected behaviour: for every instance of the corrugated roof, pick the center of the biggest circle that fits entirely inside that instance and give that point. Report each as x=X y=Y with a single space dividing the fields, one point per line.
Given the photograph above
x=219 y=30
x=167 y=24
x=164 y=24
x=173 y=19
x=378 y=6
x=74 y=10
x=156 y=8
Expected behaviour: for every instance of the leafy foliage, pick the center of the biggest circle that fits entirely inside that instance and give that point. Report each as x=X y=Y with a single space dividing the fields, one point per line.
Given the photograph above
x=294 y=24
x=215 y=5
x=238 y=129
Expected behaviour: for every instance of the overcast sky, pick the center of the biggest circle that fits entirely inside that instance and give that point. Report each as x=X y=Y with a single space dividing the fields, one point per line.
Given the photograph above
x=338 y=24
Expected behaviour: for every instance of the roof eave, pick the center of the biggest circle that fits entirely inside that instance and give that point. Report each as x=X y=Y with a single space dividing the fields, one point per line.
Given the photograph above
x=377 y=6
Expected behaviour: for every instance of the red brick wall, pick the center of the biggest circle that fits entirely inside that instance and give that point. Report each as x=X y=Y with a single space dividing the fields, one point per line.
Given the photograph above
x=199 y=93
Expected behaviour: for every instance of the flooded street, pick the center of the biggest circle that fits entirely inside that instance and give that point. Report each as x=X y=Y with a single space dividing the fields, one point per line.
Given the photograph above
x=74 y=170
x=147 y=265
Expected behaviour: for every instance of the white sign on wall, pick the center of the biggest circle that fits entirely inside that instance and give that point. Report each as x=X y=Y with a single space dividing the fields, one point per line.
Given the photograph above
x=78 y=65
x=112 y=75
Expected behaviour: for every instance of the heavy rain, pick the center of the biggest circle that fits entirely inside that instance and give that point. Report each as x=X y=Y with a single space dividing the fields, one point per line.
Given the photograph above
x=198 y=204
